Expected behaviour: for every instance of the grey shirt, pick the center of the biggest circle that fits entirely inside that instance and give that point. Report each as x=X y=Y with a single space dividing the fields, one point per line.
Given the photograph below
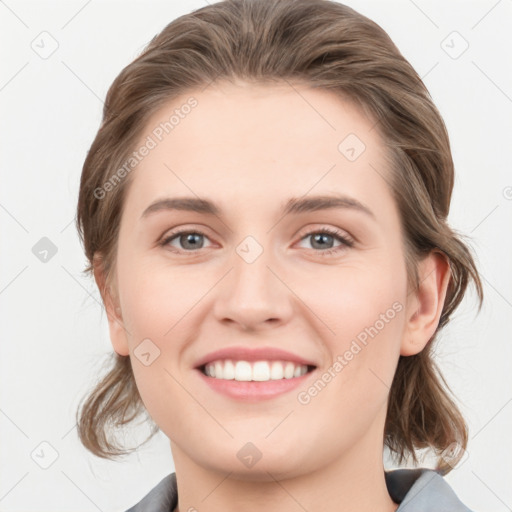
x=416 y=490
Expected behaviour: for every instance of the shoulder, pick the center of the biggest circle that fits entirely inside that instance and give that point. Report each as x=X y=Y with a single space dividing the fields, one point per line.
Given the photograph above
x=162 y=498
x=422 y=490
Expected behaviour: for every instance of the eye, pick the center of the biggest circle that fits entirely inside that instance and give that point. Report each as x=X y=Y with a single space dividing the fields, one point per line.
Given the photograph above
x=188 y=240
x=324 y=238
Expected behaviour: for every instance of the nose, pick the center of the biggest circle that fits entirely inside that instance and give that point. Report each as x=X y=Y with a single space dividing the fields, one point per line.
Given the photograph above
x=254 y=295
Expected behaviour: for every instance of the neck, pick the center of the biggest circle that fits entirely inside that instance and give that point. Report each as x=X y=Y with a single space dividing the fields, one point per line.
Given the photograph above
x=353 y=483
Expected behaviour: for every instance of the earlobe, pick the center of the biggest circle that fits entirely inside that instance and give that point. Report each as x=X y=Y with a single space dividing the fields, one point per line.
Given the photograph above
x=114 y=314
x=425 y=304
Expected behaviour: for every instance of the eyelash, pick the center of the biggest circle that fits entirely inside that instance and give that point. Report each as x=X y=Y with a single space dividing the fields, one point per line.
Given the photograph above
x=345 y=241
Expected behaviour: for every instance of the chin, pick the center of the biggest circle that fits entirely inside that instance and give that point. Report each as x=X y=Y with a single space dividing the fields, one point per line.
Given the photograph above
x=263 y=471
x=259 y=461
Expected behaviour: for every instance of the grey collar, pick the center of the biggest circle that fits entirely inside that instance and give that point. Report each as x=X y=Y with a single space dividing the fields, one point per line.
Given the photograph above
x=422 y=490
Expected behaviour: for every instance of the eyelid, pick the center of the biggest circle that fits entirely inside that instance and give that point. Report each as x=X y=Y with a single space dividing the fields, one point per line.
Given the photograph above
x=186 y=228
x=322 y=228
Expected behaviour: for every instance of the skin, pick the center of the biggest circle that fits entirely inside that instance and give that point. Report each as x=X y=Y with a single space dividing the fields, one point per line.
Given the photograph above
x=249 y=148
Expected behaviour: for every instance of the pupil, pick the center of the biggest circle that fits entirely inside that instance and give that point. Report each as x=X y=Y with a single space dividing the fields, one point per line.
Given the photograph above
x=192 y=239
x=320 y=237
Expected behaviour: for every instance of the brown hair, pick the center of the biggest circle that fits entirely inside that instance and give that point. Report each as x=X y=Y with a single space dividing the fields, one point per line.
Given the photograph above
x=325 y=45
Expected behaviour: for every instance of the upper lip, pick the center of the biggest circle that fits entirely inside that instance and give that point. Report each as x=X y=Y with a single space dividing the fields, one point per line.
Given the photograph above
x=252 y=354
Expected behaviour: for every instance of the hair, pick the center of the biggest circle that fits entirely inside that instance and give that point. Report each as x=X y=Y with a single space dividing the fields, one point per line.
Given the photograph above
x=328 y=46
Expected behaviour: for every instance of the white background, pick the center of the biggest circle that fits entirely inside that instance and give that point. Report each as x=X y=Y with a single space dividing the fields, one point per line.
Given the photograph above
x=54 y=333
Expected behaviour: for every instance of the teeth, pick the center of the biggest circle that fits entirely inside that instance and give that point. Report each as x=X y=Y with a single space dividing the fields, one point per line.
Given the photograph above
x=289 y=370
x=218 y=368
x=276 y=370
x=229 y=371
x=243 y=371
x=259 y=371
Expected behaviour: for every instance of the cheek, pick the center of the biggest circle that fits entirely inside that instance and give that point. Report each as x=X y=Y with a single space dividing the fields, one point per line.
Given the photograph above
x=157 y=305
x=357 y=297
x=155 y=300
x=363 y=310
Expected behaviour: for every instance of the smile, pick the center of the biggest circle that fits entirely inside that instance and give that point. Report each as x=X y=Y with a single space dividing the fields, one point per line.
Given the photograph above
x=258 y=371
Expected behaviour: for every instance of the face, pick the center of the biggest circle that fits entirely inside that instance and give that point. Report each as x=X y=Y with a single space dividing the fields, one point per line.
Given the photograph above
x=262 y=279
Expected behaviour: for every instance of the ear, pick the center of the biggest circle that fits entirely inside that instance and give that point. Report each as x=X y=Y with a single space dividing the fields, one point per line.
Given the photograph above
x=425 y=304
x=118 y=333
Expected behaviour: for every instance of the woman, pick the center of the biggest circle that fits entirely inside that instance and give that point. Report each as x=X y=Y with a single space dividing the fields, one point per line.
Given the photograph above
x=264 y=209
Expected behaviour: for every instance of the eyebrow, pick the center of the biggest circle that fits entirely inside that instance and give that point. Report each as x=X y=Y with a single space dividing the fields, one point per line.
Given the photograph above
x=293 y=205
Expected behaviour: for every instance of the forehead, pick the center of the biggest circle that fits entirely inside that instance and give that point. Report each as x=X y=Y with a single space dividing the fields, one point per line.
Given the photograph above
x=240 y=140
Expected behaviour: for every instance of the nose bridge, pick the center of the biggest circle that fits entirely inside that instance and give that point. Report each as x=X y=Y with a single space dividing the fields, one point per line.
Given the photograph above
x=252 y=279
x=252 y=294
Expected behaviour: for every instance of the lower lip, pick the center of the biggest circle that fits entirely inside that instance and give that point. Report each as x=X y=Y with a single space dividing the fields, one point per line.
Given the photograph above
x=253 y=390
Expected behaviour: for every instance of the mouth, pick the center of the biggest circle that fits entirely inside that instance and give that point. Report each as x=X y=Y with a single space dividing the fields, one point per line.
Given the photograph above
x=253 y=374
x=254 y=371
